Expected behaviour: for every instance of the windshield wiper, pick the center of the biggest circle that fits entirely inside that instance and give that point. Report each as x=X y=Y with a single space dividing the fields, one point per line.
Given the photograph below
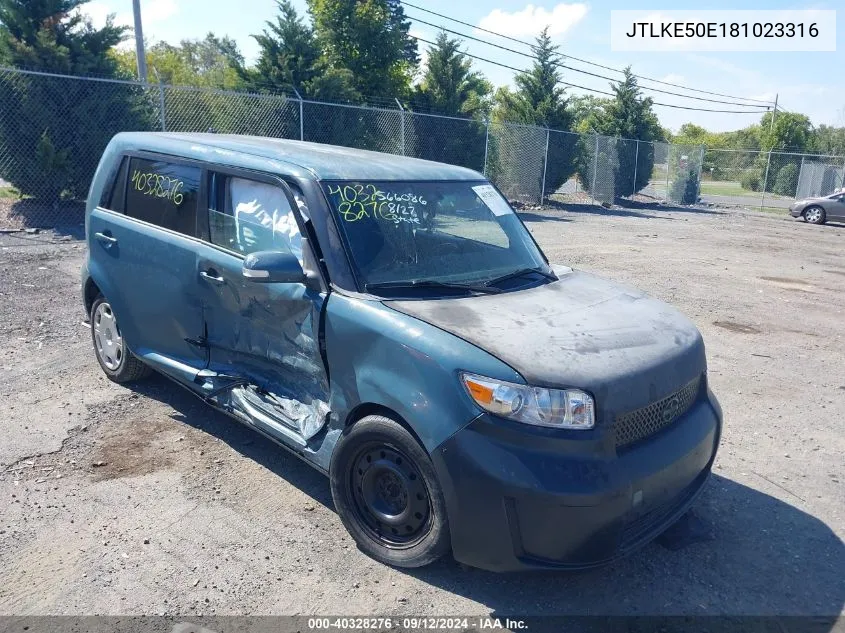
x=431 y=283
x=520 y=273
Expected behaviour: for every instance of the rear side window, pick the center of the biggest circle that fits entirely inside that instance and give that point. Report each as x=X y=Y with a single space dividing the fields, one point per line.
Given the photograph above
x=114 y=192
x=163 y=193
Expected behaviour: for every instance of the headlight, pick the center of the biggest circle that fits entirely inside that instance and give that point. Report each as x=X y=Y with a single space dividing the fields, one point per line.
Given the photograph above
x=560 y=409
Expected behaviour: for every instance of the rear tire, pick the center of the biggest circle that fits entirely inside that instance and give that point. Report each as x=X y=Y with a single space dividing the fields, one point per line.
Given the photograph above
x=116 y=360
x=814 y=215
x=387 y=494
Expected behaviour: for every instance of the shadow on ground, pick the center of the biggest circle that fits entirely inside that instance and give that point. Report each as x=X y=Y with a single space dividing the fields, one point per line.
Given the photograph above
x=625 y=208
x=63 y=218
x=191 y=410
x=764 y=557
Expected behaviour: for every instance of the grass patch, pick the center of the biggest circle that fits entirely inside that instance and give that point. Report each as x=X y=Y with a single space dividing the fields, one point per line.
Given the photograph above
x=10 y=193
x=726 y=188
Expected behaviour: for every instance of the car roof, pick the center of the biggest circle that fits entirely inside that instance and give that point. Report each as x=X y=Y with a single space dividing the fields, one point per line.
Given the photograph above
x=314 y=160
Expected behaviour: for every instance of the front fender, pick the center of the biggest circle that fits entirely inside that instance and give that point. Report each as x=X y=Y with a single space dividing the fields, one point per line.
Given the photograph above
x=379 y=356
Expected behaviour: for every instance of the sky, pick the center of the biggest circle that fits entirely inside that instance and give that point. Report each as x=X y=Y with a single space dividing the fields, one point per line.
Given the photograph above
x=807 y=82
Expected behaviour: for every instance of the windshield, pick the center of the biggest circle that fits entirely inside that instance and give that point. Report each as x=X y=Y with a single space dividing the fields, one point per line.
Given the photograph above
x=449 y=232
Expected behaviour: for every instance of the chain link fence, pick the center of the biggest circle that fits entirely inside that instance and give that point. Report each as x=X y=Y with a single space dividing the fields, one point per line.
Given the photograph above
x=53 y=129
x=767 y=180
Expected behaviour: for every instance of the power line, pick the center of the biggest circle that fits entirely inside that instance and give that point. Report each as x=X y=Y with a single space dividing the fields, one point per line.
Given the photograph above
x=602 y=92
x=578 y=70
x=584 y=61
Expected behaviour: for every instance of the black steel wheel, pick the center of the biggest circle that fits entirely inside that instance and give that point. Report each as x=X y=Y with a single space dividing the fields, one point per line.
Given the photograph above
x=387 y=494
x=390 y=495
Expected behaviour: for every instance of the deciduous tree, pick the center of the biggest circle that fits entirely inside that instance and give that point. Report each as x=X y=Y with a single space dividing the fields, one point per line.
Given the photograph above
x=370 y=38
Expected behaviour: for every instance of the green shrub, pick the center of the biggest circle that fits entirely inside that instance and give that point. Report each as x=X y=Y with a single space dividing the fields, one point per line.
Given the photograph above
x=684 y=189
x=750 y=180
x=786 y=182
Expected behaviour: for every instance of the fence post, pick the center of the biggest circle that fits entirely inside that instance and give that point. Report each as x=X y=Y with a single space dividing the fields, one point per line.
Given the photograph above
x=668 y=170
x=842 y=183
x=401 y=124
x=595 y=169
x=698 y=180
x=545 y=168
x=765 y=181
x=486 y=143
x=301 y=120
x=636 y=160
x=798 y=180
x=160 y=99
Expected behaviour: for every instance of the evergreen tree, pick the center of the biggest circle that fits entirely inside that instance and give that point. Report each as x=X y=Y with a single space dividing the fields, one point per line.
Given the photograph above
x=51 y=35
x=627 y=116
x=540 y=100
x=53 y=130
x=288 y=52
x=290 y=56
x=450 y=86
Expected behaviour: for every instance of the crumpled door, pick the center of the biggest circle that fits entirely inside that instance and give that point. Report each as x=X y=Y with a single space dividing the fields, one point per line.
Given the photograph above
x=262 y=336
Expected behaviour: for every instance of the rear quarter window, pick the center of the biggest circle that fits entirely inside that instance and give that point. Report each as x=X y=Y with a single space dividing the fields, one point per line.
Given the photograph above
x=114 y=193
x=163 y=193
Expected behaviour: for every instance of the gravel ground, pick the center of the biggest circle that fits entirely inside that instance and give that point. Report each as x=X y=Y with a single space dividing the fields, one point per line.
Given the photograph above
x=143 y=501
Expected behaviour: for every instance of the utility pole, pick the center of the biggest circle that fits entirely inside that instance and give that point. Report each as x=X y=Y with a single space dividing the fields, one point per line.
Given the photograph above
x=139 y=42
x=774 y=113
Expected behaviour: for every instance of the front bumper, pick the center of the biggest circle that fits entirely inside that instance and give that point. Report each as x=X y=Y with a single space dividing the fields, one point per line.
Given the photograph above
x=523 y=498
x=796 y=211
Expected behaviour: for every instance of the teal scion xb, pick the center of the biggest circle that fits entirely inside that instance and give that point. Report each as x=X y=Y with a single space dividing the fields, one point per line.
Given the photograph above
x=392 y=322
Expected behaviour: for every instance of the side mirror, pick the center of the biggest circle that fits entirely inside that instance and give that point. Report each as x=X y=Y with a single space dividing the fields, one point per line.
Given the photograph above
x=273 y=267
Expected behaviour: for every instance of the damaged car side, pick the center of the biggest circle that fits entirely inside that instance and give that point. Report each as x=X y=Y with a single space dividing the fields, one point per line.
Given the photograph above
x=392 y=322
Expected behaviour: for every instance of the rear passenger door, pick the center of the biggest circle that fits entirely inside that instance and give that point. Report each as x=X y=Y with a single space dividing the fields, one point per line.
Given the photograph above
x=265 y=335
x=143 y=258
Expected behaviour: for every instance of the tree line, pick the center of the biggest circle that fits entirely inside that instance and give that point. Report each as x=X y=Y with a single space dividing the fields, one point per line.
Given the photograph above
x=350 y=51
x=743 y=155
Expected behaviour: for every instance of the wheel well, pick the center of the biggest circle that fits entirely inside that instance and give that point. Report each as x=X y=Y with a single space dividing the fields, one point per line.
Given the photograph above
x=371 y=408
x=91 y=292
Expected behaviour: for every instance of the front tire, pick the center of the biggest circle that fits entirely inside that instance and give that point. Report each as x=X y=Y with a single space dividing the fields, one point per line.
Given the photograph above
x=387 y=494
x=814 y=215
x=116 y=360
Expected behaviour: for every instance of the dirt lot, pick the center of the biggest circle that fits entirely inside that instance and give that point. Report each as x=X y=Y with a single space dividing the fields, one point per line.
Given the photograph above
x=119 y=501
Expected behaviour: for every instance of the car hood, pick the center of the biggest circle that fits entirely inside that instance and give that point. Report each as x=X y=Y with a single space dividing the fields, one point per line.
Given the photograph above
x=580 y=331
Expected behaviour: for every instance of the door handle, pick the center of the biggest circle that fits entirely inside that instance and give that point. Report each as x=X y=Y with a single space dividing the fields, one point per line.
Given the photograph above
x=106 y=240
x=211 y=275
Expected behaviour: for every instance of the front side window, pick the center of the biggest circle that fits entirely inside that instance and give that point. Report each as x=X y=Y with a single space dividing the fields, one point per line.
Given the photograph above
x=163 y=193
x=246 y=216
x=450 y=232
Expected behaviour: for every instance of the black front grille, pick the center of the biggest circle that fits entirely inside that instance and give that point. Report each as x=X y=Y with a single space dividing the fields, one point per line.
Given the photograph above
x=636 y=425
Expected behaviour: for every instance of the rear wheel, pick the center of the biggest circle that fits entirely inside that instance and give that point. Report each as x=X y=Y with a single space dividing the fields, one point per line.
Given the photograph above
x=814 y=215
x=118 y=363
x=386 y=493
